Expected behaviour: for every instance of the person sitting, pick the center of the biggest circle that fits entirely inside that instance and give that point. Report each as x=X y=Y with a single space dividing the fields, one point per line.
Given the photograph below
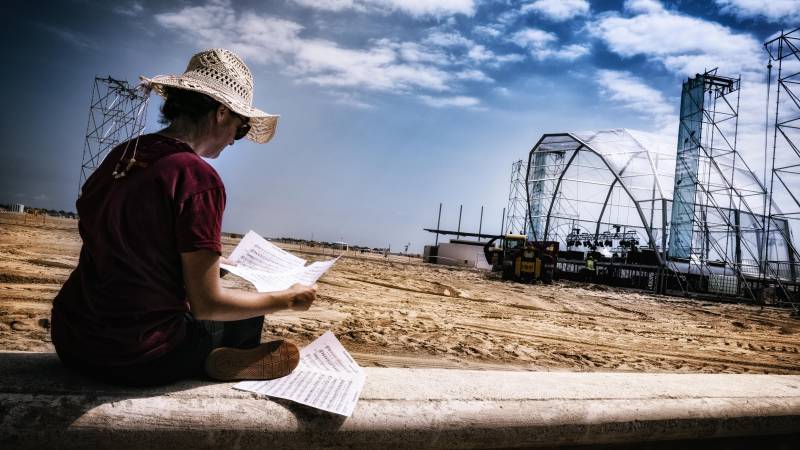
x=145 y=305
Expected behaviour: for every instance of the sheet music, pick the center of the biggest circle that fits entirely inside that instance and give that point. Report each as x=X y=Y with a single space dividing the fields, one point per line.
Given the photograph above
x=255 y=252
x=326 y=378
x=271 y=268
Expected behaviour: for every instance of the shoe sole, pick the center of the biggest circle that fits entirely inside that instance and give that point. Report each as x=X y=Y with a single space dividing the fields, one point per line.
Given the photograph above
x=266 y=361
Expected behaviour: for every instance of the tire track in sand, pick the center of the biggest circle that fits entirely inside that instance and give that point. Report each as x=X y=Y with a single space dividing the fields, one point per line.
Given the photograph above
x=788 y=368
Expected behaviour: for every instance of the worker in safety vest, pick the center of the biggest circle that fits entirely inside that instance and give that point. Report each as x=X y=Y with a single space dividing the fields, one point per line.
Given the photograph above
x=591 y=270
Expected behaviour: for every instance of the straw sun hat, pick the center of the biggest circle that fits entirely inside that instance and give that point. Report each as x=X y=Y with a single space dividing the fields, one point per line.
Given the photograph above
x=223 y=76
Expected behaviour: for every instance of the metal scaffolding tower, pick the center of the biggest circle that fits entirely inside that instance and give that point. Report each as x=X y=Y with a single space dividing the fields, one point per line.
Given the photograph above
x=517 y=210
x=545 y=197
x=116 y=114
x=713 y=190
x=784 y=51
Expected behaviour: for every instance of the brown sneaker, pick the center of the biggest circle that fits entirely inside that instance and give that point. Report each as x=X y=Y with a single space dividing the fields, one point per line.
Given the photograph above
x=266 y=361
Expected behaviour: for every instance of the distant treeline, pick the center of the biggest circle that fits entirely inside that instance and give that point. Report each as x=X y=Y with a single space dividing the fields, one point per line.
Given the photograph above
x=41 y=211
x=309 y=243
x=323 y=244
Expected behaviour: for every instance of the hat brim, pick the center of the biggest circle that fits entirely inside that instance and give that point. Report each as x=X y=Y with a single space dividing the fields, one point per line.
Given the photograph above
x=262 y=124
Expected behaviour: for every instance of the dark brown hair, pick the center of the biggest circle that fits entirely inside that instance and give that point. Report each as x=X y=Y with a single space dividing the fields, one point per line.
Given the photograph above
x=189 y=104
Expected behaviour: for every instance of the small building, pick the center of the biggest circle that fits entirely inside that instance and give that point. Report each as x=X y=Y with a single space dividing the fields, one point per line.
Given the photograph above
x=18 y=208
x=429 y=254
x=458 y=253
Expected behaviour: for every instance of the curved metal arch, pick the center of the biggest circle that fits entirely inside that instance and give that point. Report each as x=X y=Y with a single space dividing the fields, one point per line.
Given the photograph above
x=608 y=197
x=652 y=166
x=584 y=145
x=603 y=211
x=527 y=179
x=558 y=185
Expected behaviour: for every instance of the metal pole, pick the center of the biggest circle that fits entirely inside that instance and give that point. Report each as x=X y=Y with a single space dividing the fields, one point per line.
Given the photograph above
x=438 y=223
x=502 y=221
x=774 y=150
x=663 y=231
x=762 y=252
x=458 y=232
x=480 y=225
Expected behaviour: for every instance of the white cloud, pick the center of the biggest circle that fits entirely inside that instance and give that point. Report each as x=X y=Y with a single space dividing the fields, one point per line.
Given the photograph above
x=440 y=63
x=417 y=8
x=683 y=44
x=256 y=38
x=434 y=8
x=538 y=42
x=416 y=53
x=777 y=11
x=533 y=38
x=643 y=6
x=558 y=10
x=630 y=92
x=262 y=39
x=480 y=53
x=447 y=39
x=326 y=64
x=473 y=53
x=568 y=53
x=348 y=99
x=651 y=32
x=73 y=38
x=329 y=5
x=508 y=58
x=491 y=31
x=131 y=10
x=508 y=17
x=473 y=75
x=442 y=102
x=505 y=92
x=503 y=21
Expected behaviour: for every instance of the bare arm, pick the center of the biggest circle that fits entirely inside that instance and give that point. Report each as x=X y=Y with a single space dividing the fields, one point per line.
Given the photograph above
x=210 y=301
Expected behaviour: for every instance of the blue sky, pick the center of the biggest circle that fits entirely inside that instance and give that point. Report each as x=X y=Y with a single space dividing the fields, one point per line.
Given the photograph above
x=388 y=107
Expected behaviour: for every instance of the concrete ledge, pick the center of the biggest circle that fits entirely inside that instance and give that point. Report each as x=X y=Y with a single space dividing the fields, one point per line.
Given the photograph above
x=43 y=405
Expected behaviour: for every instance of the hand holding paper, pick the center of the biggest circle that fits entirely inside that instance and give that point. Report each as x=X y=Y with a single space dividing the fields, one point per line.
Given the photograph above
x=301 y=297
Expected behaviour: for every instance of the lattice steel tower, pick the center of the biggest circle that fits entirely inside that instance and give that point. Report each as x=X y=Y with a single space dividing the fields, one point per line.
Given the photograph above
x=714 y=189
x=784 y=204
x=517 y=211
x=117 y=113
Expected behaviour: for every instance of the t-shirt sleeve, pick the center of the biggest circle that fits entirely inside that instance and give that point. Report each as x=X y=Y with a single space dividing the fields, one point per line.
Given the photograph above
x=199 y=224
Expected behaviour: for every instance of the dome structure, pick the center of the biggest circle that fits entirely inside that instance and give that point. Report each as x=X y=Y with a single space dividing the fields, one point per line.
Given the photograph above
x=585 y=188
x=588 y=183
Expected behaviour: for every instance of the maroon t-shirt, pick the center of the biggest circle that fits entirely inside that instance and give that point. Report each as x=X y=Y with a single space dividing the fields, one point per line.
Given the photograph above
x=124 y=303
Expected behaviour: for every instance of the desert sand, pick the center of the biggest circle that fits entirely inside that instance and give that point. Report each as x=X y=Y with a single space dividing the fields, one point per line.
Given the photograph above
x=400 y=312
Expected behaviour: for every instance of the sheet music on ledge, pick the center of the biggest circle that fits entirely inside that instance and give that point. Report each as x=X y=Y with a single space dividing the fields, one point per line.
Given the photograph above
x=326 y=378
x=270 y=268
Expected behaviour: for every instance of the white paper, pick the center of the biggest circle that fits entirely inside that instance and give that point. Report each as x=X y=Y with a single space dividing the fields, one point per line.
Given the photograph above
x=326 y=378
x=271 y=268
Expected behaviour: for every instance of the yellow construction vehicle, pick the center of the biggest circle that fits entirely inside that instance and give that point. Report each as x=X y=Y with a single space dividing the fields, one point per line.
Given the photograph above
x=519 y=259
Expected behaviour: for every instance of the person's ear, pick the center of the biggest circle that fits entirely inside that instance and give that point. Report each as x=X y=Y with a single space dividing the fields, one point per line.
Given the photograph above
x=220 y=114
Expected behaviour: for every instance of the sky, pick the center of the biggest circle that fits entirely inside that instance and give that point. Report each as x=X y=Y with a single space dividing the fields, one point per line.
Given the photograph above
x=388 y=107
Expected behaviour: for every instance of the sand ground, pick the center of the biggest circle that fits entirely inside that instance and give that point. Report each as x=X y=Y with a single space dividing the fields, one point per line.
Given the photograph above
x=403 y=313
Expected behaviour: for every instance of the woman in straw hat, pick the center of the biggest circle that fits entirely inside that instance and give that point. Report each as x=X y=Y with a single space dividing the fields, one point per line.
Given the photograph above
x=145 y=305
